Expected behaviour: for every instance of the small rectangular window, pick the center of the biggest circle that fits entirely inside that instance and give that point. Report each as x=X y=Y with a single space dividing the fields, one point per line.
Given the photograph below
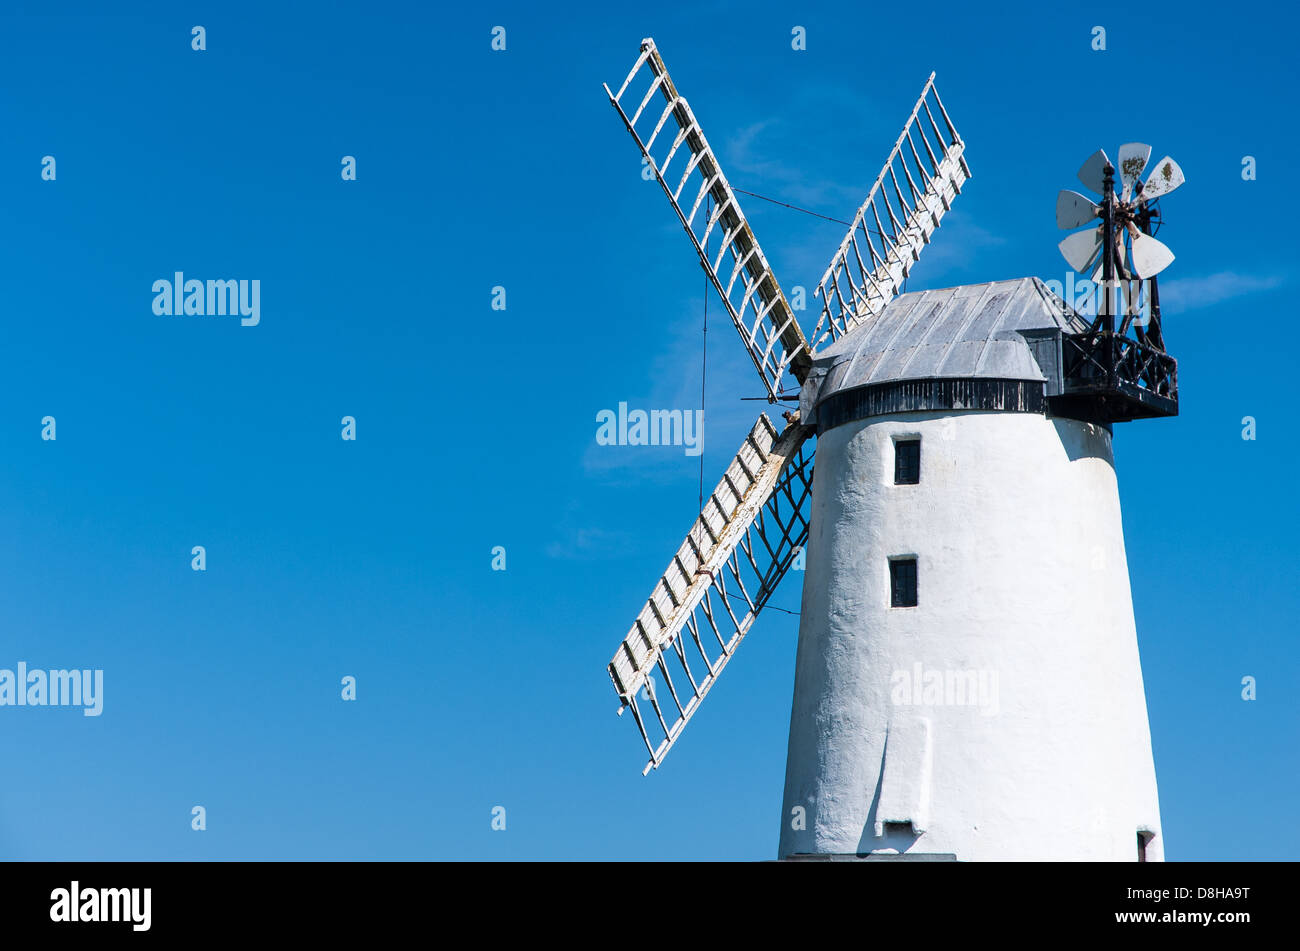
x=902 y=583
x=907 y=461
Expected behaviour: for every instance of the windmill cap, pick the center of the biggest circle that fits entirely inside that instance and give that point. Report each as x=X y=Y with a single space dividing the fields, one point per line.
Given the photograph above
x=969 y=332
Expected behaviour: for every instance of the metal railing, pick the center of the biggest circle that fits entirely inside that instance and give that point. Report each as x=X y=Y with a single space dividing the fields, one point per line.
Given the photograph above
x=1100 y=361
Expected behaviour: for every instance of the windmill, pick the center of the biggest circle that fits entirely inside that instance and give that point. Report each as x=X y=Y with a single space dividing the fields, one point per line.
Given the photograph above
x=967 y=680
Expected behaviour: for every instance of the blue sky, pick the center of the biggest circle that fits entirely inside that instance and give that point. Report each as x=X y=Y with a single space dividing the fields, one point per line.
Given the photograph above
x=476 y=428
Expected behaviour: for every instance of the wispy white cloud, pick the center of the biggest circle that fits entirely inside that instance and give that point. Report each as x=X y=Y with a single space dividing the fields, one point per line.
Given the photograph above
x=672 y=381
x=960 y=243
x=588 y=544
x=1189 y=293
x=746 y=164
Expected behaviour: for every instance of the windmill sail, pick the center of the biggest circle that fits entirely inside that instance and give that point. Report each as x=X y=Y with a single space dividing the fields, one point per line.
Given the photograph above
x=750 y=291
x=910 y=196
x=735 y=555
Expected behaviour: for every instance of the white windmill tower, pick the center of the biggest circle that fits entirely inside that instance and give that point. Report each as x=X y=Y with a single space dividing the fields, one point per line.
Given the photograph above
x=967 y=680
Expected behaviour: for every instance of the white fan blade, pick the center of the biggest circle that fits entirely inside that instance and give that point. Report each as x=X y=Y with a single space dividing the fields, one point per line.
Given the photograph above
x=758 y=308
x=1166 y=177
x=1080 y=248
x=759 y=508
x=1093 y=172
x=1133 y=158
x=1073 y=209
x=1150 y=256
x=853 y=290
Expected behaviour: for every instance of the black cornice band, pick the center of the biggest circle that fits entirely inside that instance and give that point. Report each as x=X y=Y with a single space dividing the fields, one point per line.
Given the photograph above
x=919 y=396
